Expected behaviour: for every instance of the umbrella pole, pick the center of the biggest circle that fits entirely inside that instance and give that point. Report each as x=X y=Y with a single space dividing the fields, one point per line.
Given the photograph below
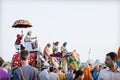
x=22 y=37
x=22 y=32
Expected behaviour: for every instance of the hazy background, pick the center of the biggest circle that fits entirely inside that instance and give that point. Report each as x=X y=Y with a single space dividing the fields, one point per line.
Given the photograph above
x=83 y=24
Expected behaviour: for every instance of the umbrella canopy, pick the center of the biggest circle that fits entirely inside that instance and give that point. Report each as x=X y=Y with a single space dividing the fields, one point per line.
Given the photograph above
x=22 y=24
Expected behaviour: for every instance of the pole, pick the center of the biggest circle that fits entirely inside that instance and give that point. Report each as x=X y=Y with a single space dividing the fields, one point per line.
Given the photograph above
x=89 y=53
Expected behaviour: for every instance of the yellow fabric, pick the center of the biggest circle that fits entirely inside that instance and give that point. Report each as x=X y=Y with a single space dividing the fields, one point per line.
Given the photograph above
x=64 y=63
x=61 y=76
x=74 y=56
x=74 y=64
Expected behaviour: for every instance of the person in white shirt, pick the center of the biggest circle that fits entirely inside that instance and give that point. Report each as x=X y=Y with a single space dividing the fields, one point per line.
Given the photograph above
x=44 y=75
x=30 y=43
x=55 y=47
x=112 y=72
x=52 y=75
x=64 y=49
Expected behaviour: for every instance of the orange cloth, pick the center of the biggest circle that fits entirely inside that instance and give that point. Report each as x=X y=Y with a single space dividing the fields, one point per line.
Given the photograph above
x=87 y=74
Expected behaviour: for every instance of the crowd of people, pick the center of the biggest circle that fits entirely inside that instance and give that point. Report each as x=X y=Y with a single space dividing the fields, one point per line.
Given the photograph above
x=66 y=66
x=110 y=71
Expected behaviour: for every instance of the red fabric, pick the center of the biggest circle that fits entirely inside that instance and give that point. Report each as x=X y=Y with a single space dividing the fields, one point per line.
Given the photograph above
x=34 y=45
x=119 y=53
x=16 y=62
x=18 y=41
x=22 y=47
x=59 y=54
x=32 y=59
x=19 y=36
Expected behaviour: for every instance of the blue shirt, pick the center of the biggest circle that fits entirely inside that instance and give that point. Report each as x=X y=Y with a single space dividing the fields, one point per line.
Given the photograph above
x=95 y=75
x=28 y=73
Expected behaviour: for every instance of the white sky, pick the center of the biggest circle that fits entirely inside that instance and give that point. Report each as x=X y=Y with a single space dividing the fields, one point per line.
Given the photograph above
x=83 y=24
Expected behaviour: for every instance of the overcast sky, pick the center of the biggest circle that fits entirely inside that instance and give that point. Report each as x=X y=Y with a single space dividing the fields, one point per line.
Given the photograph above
x=83 y=24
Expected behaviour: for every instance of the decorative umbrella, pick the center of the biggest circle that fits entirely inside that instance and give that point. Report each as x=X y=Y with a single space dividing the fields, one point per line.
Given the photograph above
x=21 y=24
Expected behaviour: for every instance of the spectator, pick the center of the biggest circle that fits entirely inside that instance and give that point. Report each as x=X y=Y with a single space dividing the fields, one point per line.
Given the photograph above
x=79 y=75
x=44 y=75
x=52 y=75
x=95 y=72
x=112 y=72
x=3 y=74
x=61 y=74
x=70 y=74
x=25 y=72
x=87 y=73
x=6 y=67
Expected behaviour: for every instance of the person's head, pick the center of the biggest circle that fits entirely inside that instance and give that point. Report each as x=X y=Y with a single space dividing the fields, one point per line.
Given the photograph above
x=7 y=67
x=65 y=43
x=71 y=68
x=29 y=33
x=51 y=69
x=56 y=43
x=55 y=70
x=100 y=67
x=1 y=61
x=19 y=36
x=49 y=45
x=24 y=55
x=96 y=68
x=60 y=68
x=79 y=75
x=111 y=59
x=45 y=65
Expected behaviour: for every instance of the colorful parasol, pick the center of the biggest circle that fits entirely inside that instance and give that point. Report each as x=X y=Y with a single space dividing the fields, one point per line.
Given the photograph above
x=22 y=24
